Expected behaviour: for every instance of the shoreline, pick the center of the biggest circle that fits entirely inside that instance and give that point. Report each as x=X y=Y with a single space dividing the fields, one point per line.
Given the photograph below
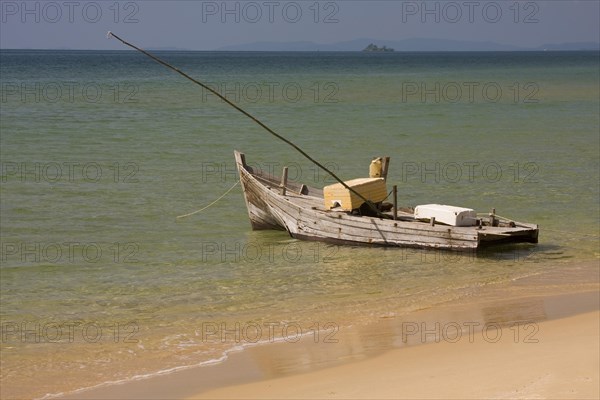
x=551 y=366
x=456 y=327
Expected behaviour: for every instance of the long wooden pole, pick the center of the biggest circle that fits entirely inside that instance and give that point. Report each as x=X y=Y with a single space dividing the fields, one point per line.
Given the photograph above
x=226 y=100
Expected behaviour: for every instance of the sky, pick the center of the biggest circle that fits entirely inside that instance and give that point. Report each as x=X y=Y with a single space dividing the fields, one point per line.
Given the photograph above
x=209 y=25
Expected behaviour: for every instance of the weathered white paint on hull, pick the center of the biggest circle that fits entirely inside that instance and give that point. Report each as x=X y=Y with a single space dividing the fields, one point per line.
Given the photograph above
x=305 y=217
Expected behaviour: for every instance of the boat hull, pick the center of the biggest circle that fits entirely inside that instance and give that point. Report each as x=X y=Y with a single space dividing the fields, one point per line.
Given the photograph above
x=301 y=212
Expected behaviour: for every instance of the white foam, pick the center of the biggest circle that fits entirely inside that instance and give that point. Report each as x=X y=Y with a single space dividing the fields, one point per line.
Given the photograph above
x=139 y=377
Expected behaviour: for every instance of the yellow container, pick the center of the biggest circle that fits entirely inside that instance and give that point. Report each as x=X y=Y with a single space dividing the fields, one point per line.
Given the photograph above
x=373 y=189
x=375 y=168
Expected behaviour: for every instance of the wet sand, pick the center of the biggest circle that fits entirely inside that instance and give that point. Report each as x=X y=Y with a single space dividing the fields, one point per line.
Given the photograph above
x=558 y=361
x=512 y=342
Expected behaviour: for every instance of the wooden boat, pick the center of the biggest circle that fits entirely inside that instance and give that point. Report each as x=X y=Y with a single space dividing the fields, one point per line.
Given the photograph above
x=276 y=203
x=306 y=213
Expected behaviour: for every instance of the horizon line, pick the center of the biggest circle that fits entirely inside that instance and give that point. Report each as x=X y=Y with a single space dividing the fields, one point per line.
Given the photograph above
x=305 y=51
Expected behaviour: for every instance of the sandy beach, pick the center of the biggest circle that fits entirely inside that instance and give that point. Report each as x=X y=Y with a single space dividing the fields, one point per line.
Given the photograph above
x=540 y=346
x=559 y=361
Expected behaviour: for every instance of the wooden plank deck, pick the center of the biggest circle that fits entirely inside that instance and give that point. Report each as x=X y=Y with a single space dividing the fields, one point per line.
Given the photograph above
x=302 y=212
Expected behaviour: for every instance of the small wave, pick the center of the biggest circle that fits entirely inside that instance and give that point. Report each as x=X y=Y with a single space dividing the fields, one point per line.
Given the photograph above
x=140 y=377
x=167 y=371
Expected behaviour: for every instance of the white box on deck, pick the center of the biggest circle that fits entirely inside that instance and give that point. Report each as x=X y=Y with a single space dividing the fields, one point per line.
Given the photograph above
x=449 y=215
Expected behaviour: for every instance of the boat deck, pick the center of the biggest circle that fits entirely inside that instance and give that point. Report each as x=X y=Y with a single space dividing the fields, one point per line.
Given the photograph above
x=301 y=210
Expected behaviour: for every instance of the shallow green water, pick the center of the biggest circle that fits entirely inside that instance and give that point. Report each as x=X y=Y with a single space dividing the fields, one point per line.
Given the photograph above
x=101 y=151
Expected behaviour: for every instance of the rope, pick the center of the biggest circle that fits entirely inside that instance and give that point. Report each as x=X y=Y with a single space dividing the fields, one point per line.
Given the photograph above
x=226 y=100
x=388 y=195
x=211 y=204
x=496 y=215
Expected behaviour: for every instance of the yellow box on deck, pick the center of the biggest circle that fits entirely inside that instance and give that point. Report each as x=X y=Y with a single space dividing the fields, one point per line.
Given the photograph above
x=371 y=188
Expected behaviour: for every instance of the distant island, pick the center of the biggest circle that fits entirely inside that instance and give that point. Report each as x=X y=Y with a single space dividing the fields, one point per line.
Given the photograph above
x=372 y=48
x=404 y=45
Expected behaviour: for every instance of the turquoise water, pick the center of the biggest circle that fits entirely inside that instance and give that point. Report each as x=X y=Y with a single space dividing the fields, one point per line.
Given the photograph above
x=101 y=151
